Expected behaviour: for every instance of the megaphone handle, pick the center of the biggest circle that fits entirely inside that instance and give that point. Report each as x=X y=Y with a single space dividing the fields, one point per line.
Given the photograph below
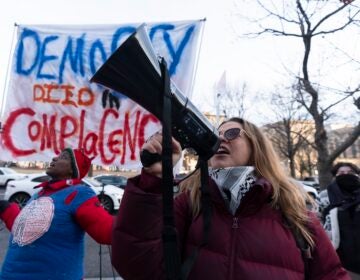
x=147 y=159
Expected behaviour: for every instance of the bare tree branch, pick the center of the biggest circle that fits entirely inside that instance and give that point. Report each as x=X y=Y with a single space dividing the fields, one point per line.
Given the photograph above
x=339 y=101
x=345 y=144
x=330 y=15
x=307 y=93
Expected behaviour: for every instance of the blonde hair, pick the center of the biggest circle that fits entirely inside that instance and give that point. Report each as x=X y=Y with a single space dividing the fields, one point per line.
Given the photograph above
x=286 y=196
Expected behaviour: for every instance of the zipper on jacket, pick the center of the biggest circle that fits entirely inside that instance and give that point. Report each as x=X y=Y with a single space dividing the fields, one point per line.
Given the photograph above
x=235 y=223
x=234 y=232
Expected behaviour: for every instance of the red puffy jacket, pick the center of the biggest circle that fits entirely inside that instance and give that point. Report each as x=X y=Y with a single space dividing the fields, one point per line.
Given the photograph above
x=253 y=244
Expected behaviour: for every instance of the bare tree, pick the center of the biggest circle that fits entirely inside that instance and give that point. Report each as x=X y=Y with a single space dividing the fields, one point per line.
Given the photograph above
x=307 y=20
x=306 y=165
x=291 y=131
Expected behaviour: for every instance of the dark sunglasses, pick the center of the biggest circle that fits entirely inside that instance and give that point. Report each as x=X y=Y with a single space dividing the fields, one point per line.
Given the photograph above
x=233 y=133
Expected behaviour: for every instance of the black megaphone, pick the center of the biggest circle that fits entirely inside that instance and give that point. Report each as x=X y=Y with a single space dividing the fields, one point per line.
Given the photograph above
x=134 y=70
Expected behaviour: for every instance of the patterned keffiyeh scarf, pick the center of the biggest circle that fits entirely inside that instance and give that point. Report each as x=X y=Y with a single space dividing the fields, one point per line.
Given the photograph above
x=233 y=183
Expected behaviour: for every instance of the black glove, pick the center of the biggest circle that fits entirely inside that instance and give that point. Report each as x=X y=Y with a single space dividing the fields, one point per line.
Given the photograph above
x=3 y=205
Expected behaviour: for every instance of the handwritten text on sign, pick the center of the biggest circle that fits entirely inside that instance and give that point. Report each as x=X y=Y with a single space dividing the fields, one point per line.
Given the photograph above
x=51 y=104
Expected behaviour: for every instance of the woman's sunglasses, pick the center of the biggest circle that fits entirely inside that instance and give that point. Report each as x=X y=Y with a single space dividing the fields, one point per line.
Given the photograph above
x=233 y=133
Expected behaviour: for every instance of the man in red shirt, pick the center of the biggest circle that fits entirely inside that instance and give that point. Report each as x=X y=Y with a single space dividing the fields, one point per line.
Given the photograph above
x=50 y=229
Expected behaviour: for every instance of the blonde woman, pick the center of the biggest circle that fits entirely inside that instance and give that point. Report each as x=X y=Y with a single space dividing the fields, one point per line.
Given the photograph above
x=257 y=217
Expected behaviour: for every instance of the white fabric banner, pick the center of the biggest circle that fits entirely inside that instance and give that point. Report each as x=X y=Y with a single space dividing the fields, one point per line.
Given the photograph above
x=50 y=103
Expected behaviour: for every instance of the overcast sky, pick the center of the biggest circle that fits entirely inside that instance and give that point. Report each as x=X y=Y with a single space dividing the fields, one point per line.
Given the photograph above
x=258 y=62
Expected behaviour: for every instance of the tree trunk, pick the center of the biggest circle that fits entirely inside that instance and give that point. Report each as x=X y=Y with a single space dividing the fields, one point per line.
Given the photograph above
x=323 y=163
x=292 y=167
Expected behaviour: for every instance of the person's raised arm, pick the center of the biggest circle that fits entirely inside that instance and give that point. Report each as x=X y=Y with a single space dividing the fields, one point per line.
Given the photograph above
x=8 y=213
x=95 y=220
x=137 y=251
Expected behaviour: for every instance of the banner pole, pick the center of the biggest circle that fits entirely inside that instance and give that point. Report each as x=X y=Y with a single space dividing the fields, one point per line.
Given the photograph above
x=196 y=64
x=7 y=73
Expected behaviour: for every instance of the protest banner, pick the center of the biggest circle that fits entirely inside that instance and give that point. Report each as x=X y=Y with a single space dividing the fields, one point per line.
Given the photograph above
x=50 y=103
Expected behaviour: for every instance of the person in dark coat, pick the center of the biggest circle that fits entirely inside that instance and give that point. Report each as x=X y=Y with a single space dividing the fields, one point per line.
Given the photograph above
x=47 y=235
x=341 y=217
x=256 y=209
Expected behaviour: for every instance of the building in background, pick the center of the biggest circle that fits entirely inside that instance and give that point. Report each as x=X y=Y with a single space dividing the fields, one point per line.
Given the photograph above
x=335 y=136
x=293 y=142
x=296 y=138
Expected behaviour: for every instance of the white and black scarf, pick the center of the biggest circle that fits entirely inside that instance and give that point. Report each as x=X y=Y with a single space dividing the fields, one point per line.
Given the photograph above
x=233 y=183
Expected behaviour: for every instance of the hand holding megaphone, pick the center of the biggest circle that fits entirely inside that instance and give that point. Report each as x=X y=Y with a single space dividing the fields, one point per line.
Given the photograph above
x=151 y=151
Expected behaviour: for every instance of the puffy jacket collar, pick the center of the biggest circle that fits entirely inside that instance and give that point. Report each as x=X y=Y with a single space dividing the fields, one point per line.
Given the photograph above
x=259 y=194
